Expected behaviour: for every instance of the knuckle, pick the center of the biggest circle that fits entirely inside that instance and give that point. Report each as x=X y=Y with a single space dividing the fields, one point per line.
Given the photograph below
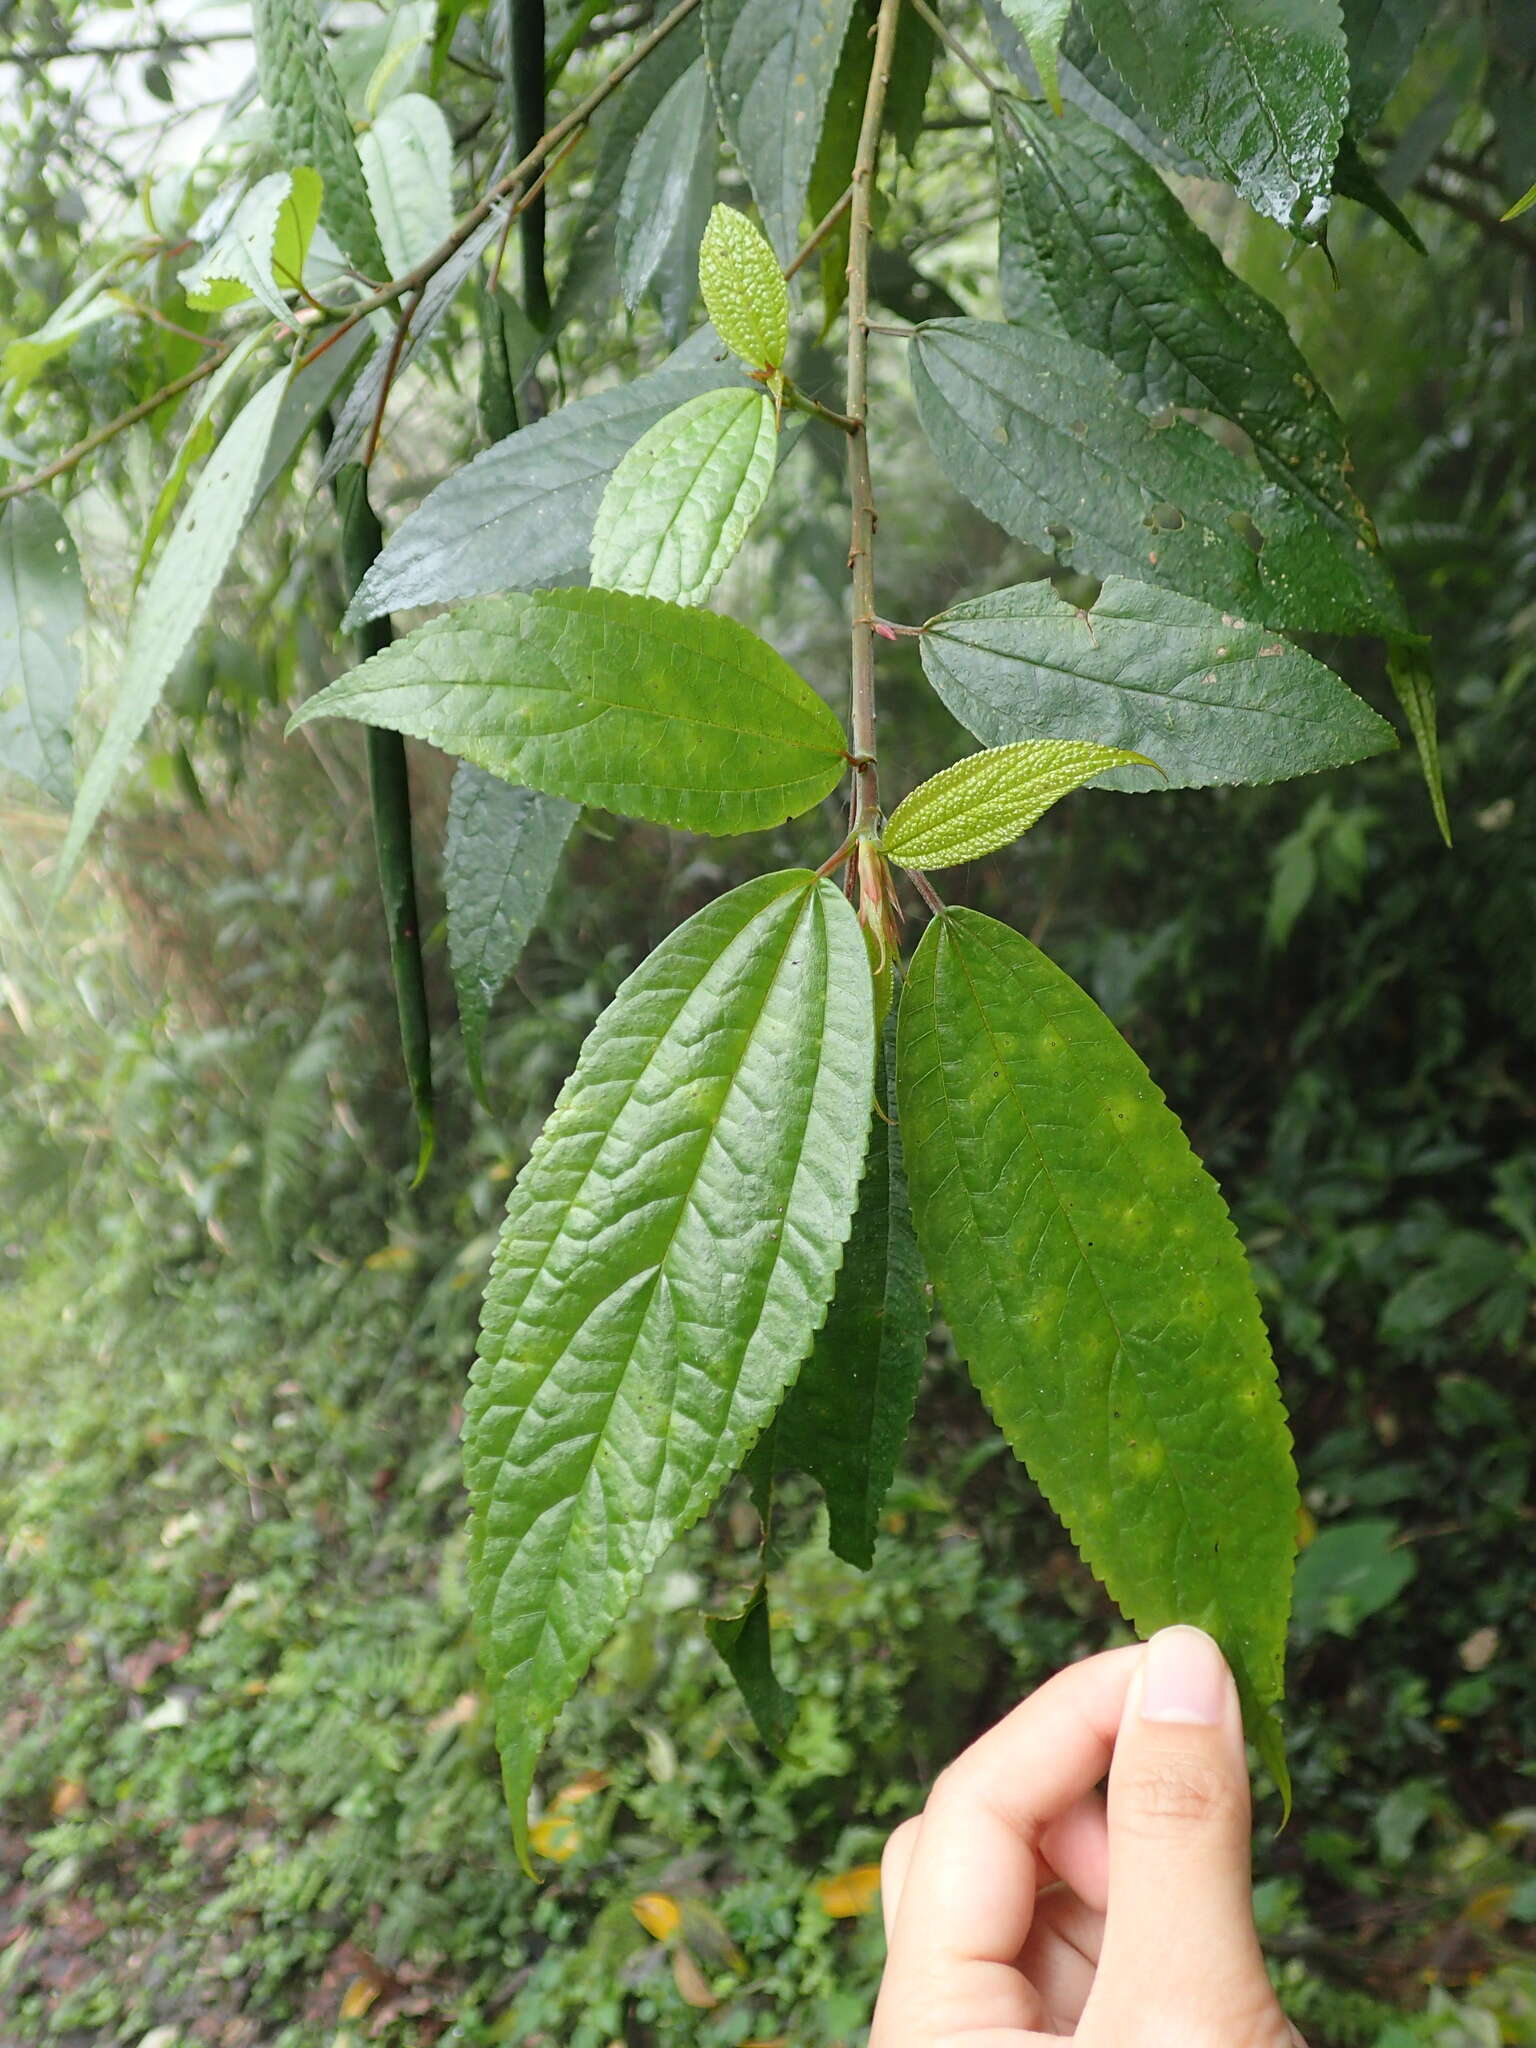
x=1175 y=1793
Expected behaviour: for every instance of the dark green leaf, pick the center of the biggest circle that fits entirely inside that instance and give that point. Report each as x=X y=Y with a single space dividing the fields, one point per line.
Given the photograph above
x=185 y=577
x=668 y=184
x=1354 y=179
x=845 y=1419
x=1040 y=23
x=642 y=707
x=1207 y=697
x=772 y=63
x=1094 y=1282
x=1414 y=683
x=746 y=1647
x=502 y=850
x=1126 y=271
x=680 y=503
x=669 y=1250
x=1088 y=82
x=42 y=614
x=310 y=124
x=912 y=62
x=520 y=515
x=1255 y=89
x=1382 y=36
x=1347 y=1573
x=1037 y=431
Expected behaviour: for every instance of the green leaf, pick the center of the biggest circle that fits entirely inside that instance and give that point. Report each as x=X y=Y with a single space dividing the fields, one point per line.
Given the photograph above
x=746 y=1648
x=190 y=568
x=668 y=185
x=261 y=253
x=1037 y=431
x=407 y=159
x=200 y=436
x=1353 y=178
x=988 y=800
x=744 y=290
x=642 y=707
x=1522 y=205
x=906 y=95
x=310 y=124
x=771 y=63
x=500 y=857
x=1347 y=1573
x=42 y=616
x=1255 y=89
x=845 y=1419
x=668 y=1252
x=520 y=515
x=679 y=504
x=1383 y=37
x=1091 y=1275
x=1041 y=22
x=1126 y=271
x=1208 y=697
x=1413 y=682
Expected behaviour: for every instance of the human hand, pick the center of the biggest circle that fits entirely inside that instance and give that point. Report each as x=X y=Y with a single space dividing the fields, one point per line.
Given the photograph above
x=1022 y=1905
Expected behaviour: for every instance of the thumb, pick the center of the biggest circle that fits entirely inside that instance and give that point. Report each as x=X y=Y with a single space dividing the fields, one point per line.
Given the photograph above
x=1180 y=1958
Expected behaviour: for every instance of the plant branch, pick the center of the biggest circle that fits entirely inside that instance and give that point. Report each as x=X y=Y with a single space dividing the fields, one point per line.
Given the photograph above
x=957 y=48
x=801 y=401
x=511 y=183
x=819 y=233
x=62 y=464
x=1447 y=190
x=861 y=489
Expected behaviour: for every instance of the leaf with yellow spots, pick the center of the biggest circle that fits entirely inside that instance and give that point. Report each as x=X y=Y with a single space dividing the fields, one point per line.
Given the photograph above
x=1090 y=1272
x=356 y=2000
x=658 y=1913
x=849 y=1893
x=556 y=1836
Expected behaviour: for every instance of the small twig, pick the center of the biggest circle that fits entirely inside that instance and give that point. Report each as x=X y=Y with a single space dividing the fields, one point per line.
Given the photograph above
x=62 y=464
x=819 y=233
x=159 y=319
x=926 y=890
x=801 y=401
x=883 y=327
x=956 y=48
x=163 y=46
x=1439 y=187
x=386 y=382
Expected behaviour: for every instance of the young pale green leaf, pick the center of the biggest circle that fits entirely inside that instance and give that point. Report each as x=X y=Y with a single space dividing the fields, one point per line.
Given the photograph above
x=1037 y=431
x=1413 y=683
x=188 y=572
x=745 y=1646
x=680 y=716
x=1091 y=1275
x=1522 y=205
x=772 y=63
x=668 y=1252
x=1209 y=697
x=845 y=1418
x=744 y=290
x=668 y=183
x=310 y=124
x=1256 y=90
x=1041 y=22
x=520 y=516
x=261 y=253
x=42 y=615
x=988 y=800
x=499 y=859
x=1126 y=271
x=407 y=159
x=200 y=437
x=680 y=502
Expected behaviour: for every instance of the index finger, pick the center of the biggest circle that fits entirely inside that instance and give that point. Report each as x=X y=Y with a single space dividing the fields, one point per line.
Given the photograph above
x=969 y=1896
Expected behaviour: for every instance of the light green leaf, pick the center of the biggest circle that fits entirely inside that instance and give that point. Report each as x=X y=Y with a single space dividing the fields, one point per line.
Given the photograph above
x=1207 y=696
x=745 y=1647
x=200 y=436
x=23 y=359
x=1037 y=431
x=642 y=707
x=261 y=253
x=680 y=502
x=1256 y=90
x=1413 y=682
x=499 y=859
x=987 y=800
x=1091 y=1275
x=668 y=183
x=1041 y=22
x=406 y=46
x=521 y=514
x=744 y=290
x=1522 y=205
x=310 y=124
x=407 y=159
x=771 y=63
x=1125 y=270
x=42 y=615
x=190 y=568
x=845 y=1419
x=668 y=1252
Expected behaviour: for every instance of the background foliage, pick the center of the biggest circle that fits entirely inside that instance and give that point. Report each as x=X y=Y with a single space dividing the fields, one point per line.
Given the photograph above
x=247 y=1787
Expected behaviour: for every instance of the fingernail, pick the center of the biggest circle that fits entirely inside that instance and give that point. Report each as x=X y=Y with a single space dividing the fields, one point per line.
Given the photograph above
x=1184 y=1678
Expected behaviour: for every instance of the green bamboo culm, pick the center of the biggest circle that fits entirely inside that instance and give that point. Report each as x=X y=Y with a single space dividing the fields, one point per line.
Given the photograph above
x=389 y=791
